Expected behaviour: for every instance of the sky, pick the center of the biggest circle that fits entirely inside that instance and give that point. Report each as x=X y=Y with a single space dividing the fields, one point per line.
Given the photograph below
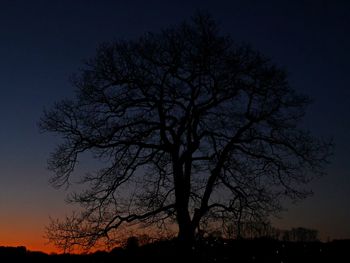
x=43 y=42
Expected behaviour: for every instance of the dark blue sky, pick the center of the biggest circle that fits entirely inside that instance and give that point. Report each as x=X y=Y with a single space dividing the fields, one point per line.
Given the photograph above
x=43 y=42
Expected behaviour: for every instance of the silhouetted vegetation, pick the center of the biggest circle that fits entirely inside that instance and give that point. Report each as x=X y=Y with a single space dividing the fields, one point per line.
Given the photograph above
x=206 y=250
x=192 y=128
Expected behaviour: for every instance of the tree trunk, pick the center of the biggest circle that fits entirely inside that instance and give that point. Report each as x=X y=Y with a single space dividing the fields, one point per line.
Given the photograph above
x=186 y=239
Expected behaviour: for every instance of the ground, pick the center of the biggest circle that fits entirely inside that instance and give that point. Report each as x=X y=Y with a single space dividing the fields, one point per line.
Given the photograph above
x=209 y=250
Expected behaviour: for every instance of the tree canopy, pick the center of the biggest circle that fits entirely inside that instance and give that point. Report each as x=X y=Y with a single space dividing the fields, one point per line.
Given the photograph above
x=191 y=127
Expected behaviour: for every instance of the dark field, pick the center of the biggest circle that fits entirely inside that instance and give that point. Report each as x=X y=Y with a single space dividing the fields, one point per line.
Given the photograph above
x=206 y=251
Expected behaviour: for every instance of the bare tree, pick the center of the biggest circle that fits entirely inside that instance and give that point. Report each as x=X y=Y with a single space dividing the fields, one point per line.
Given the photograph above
x=190 y=127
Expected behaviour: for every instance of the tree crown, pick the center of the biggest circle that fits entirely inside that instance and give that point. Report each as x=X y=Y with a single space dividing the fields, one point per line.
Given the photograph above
x=191 y=126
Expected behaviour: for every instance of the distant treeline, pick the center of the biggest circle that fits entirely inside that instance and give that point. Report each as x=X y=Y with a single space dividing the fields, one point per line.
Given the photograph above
x=254 y=230
x=210 y=249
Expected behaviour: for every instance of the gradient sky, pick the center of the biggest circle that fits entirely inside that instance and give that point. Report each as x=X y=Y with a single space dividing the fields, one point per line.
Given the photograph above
x=43 y=42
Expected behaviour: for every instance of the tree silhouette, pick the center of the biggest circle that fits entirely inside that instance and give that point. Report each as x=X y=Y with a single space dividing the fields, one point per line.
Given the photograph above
x=190 y=126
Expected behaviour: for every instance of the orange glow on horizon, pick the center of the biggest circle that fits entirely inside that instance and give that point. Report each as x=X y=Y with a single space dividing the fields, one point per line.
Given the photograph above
x=40 y=245
x=35 y=245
